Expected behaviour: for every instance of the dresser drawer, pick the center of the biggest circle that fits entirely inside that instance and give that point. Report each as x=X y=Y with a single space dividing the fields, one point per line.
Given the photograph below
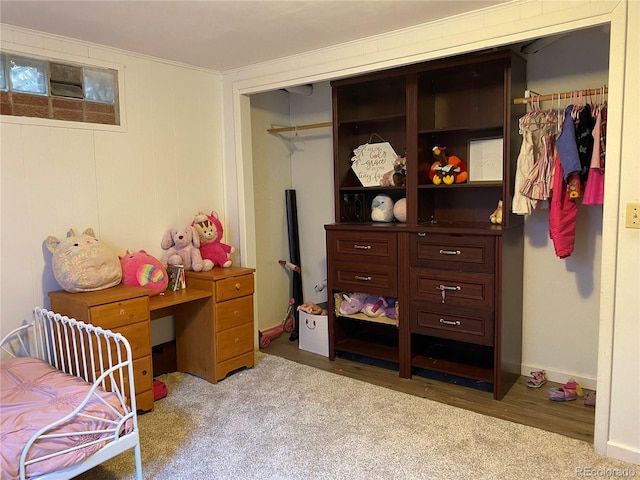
x=369 y=278
x=233 y=313
x=465 y=325
x=473 y=290
x=234 y=342
x=234 y=287
x=116 y=314
x=365 y=247
x=472 y=253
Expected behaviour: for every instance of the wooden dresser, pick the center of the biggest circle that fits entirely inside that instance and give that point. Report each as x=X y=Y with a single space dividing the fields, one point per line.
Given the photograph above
x=122 y=309
x=232 y=330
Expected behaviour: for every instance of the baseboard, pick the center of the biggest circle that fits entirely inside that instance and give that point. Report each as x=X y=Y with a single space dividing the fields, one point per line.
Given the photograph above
x=560 y=376
x=625 y=453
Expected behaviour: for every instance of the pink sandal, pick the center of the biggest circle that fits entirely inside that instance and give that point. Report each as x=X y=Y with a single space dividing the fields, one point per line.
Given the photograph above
x=538 y=379
x=570 y=391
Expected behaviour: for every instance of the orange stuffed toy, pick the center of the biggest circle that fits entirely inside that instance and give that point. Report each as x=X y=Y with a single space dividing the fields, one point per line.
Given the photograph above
x=447 y=169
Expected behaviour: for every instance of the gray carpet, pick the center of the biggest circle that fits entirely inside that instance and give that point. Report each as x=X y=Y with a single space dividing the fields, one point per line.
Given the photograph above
x=283 y=420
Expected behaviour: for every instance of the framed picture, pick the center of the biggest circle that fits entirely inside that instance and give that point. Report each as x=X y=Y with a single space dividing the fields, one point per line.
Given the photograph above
x=485 y=159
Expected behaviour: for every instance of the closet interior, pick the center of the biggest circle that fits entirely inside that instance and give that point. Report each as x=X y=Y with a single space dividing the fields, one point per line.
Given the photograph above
x=558 y=300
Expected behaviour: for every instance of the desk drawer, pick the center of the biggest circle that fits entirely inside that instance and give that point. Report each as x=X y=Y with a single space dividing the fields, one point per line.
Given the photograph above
x=471 y=253
x=462 y=289
x=465 y=325
x=369 y=278
x=234 y=287
x=139 y=338
x=143 y=374
x=233 y=313
x=234 y=342
x=117 y=314
x=365 y=247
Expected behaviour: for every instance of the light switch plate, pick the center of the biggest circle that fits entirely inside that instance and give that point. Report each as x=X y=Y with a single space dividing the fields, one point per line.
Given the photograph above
x=632 y=217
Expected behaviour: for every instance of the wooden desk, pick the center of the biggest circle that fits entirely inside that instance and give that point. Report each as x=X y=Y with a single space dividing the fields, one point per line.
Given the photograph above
x=213 y=323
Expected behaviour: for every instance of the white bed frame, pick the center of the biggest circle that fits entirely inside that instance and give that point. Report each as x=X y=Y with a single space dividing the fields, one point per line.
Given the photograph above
x=103 y=359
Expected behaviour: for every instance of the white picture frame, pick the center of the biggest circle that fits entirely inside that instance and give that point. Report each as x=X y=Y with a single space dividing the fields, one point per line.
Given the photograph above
x=485 y=159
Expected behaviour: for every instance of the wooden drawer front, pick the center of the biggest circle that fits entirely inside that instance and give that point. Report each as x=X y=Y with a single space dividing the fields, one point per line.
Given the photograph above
x=234 y=342
x=116 y=314
x=145 y=401
x=465 y=325
x=369 y=278
x=234 y=287
x=472 y=253
x=143 y=374
x=139 y=338
x=234 y=313
x=474 y=290
x=366 y=247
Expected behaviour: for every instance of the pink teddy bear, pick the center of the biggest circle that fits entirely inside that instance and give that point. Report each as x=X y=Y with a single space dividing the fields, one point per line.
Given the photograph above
x=209 y=230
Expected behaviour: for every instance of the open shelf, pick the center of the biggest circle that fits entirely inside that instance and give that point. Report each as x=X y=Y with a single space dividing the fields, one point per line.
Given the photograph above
x=453 y=357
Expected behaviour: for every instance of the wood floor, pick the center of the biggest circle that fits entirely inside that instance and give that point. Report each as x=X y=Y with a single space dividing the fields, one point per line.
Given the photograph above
x=521 y=404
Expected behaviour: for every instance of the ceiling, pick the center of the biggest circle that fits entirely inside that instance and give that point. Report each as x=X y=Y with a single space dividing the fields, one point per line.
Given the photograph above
x=226 y=34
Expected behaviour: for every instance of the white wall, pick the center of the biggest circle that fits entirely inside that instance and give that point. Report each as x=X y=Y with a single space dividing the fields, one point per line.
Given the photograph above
x=617 y=418
x=130 y=186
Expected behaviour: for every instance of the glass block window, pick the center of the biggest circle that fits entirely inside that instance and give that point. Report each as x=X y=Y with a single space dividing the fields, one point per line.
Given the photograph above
x=3 y=75
x=71 y=92
x=28 y=76
x=99 y=85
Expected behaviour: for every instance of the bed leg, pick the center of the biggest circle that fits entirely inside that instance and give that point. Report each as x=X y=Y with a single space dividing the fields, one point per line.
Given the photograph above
x=137 y=452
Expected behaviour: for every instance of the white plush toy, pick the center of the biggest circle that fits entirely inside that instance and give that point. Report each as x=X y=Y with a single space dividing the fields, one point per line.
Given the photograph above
x=382 y=209
x=82 y=263
x=182 y=247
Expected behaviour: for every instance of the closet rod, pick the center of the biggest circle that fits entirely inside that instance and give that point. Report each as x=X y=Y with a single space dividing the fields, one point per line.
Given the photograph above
x=555 y=96
x=299 y=127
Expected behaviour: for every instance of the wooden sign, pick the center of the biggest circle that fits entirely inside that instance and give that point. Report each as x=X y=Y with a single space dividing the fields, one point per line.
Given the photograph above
x=371 y=161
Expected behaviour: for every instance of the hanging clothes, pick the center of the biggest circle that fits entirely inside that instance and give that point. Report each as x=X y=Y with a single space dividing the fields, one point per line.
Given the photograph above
x=584 y=140
x=538 y=184
x=533 y=127
x=594 y=188
x=567 y=147
x=563 y=213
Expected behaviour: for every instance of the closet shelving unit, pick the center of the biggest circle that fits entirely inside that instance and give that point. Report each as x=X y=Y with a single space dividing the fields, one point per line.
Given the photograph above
x=457 y=276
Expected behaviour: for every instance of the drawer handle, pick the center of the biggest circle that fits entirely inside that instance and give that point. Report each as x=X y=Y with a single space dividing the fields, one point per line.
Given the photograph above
x=238 y=286
x=450 y=322
x=444 y=288
x=450 y=252
x=360 y=277
x=362 y=247
x=144 y=372
x=422 y=234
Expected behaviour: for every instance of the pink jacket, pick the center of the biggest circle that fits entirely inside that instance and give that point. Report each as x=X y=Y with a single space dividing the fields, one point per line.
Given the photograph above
x=563 y=212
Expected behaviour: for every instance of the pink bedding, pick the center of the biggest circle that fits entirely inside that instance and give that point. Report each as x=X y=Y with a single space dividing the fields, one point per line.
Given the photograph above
x=33 y=394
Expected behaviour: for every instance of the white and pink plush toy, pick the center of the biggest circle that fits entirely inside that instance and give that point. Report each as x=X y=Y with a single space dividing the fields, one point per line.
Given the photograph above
x=182 y=247
x=82 y=263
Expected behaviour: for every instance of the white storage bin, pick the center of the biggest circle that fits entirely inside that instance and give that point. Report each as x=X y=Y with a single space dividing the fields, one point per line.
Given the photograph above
x=313 y=334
